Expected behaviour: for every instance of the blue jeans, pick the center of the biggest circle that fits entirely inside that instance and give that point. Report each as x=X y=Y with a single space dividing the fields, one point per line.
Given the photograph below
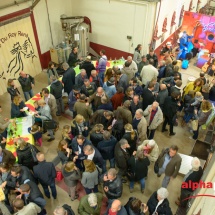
x=142 y=184
x=28 y=95
x=101 y=78
x=53 y=189
x=94 y=190
x=166 y=178
x=112 y=164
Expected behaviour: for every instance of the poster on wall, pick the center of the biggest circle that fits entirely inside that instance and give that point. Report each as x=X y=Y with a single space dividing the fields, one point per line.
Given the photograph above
x=18 y=51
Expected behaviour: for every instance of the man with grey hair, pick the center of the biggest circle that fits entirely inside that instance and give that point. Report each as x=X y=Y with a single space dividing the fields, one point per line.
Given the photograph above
x=158 y=202
x=68 y=77
x=63 y=210
x=56 y=88
x=150 y=149
x=79 y=79
x=133 y=65
x=90 y=204
x=122 y=156
x=139 y=123
x=154 y=118
x=192 y=177
x=163 y=93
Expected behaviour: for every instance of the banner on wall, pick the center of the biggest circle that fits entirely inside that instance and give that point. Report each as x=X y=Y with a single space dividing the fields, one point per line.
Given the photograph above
x=18 y=51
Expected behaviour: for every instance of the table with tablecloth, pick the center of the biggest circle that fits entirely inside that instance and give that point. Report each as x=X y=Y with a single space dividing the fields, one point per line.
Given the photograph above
x=20 y=130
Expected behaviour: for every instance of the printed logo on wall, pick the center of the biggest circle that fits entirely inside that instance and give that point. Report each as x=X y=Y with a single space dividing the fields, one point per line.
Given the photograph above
x=17 y=53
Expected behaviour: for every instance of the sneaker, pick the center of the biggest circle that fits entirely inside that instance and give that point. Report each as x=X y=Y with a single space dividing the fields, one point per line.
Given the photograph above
x=172 y=134
x=51 y=139
x=131 y=190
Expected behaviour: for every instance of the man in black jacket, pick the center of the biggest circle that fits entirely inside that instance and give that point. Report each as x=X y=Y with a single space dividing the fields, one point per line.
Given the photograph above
x=148 y=97
x=45 y=173
x=88 y=88
x=68 y=78
x=73 y=57
x=121 y=157
x=106 y=148
x=112 y=184
x=56 y=88
x=94 y=155
x=88 y=66
x=27 y=82
x=153 y=56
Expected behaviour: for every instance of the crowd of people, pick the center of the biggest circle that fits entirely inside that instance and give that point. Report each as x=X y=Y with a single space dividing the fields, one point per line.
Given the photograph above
x=115 y=114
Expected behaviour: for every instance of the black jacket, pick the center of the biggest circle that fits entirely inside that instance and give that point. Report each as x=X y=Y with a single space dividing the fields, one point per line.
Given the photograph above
x=129 y=210
x=13 y=92
x=148 y=98
x=118 y=129
x=96 y=138
x=68 y=80
x=88 y=66
x=170 y=107
x=132 y=143
x=154 y=57
x=56 y=89
x=73 y=59
x=26 y=83
x=25 y=156
x=45 y=172
x=98 y=159
x=114 y=188
x=121 y=157
x=162 y=208
x=139 y=167
x=212 y=93
x=134 y=107
x=106 y=148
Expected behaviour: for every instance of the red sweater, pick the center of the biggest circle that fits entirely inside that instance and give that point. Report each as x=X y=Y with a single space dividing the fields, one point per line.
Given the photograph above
x=117 y=100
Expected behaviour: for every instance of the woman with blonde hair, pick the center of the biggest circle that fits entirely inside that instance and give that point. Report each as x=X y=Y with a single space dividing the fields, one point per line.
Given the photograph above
x=24 y=153
x=71 y=176
x=12 y=89
x=66 y=133
x=90 y=177
x=108 y=74
x=64 y=152
x=131 y=136
x=79 y=126
x=17 y=107
x=202 y=116
x=96 y=135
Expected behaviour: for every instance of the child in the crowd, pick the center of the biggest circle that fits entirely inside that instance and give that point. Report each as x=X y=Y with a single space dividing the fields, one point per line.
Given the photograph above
x=35 y=130
x=198 y=99
x=67 y=134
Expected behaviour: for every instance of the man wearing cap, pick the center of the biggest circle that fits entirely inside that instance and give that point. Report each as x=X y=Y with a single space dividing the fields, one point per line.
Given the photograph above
x=143 y=63
x=90 y=204
x=88 y=66
x=168 y=47
x=153 y=56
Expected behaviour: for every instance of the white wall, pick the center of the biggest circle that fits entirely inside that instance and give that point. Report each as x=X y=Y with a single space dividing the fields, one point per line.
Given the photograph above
x=112 y=21
x=55 y=9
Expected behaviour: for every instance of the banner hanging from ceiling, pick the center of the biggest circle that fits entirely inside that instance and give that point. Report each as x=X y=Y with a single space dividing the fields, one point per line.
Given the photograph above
x=18 y=51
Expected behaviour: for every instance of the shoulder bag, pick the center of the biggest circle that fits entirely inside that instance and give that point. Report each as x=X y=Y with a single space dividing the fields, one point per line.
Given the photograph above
x=50 y=124
x=33 y=153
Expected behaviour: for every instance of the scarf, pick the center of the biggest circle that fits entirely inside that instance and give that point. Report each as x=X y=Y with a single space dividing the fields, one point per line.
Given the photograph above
x=112 y=213
x=80 y=127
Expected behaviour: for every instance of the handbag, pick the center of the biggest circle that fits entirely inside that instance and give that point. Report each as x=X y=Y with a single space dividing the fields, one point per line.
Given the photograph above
x=156 y=166
x=33 y=153
x=59 y=175
x=50 y=124
x=194 y=124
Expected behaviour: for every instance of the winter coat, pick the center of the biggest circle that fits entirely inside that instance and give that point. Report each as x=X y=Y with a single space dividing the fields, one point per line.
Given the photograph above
x=88 y=91
x=51 y=72
x=139 y=167
x=68 y=80
x=71 y=178
x=163 y=208
x=148 y=98
x=126 y=114
x=13 y=92
x=95 y=138
x=131 y=142
x=81 y=108
x=123 y=82
x=75 y=130
x=88 y=66
x=157 y=120
x=170 y=107
x=79 y=80
x=90 y=179
x=129 y=210
x=148 y=73
x=15 y=110
x=56 y=88
x=26 y=83
x=142 y=129
x=117 y=100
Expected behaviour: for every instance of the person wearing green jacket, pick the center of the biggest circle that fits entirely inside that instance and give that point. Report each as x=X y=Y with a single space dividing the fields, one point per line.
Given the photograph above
x=90 y=204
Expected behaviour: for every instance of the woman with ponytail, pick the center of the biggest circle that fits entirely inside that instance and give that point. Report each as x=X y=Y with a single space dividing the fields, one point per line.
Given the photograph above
x=131 y=136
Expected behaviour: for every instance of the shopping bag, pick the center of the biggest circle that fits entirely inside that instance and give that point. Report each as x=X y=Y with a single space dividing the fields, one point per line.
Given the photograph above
x=59 y=176
x=194 y=124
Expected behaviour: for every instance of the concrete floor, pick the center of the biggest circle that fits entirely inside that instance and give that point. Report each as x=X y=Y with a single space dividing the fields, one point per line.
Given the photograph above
x=152 y=183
